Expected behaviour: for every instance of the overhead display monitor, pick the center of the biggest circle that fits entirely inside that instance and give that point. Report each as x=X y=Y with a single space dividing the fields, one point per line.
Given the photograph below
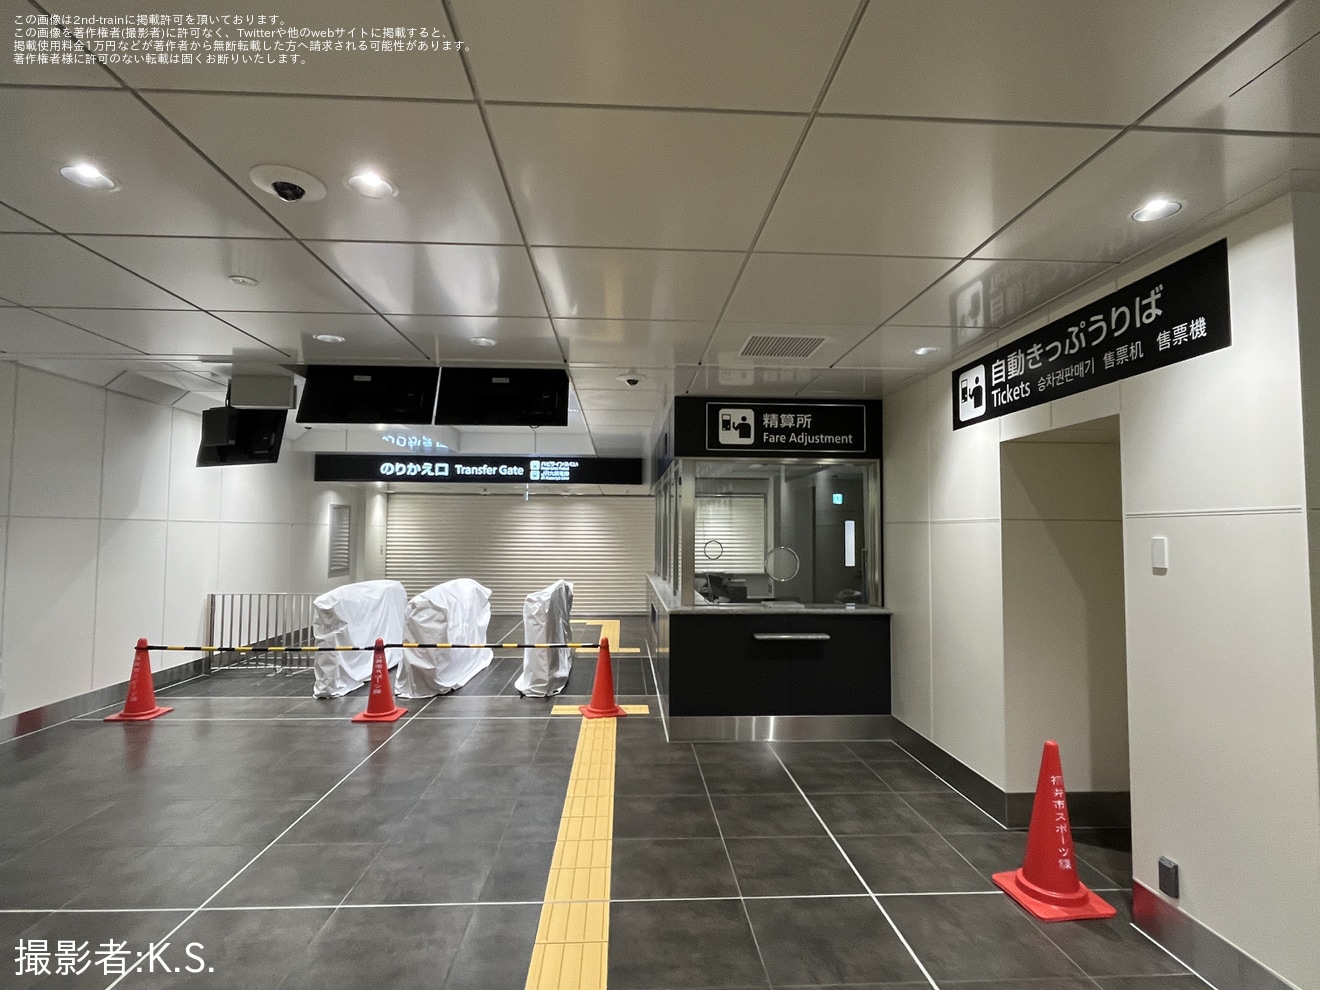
x=368 y=394
x=502 y=397
x=241 y=436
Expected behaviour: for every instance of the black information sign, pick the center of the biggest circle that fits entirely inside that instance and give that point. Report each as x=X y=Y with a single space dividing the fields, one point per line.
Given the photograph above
x=480 y=470
x=1177 y=313
x=706 y=427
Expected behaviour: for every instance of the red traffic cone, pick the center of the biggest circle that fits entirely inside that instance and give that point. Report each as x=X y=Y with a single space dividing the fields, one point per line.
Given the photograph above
x=380 y=699
x=141 y=703
x=602 y=689
x=1047 y=884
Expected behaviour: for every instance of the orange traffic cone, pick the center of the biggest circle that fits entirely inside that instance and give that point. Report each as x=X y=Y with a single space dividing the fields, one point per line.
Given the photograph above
x=602 y=689
x=141 y=703
x=380 y=699
x=1047 y=884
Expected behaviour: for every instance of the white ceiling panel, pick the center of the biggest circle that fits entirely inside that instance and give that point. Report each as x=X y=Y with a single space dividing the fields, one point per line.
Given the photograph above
x=371 y=72
x=985 y=293
x=11 y=222
x=163 y=331
x=680 y=53
x=1269 y=83
x=97 y=373
x=1031 y=59
x=49 y=270
x=366 y=335
x=917 y=187
x=23 y=23
x=893 y=347
x=637 y=418
x=24 y=332
x=199 y=270
x=1202 y=171
x=858 y=384
x=772 y=382
x=730 y=337
x=164 y=186
x=598 y=380
x=449 y=338
x=616 y=178
x=635 y=399
x=601 y=283
x=650 y=343
x=829 y=289
x=436 y=154
x=438 y=279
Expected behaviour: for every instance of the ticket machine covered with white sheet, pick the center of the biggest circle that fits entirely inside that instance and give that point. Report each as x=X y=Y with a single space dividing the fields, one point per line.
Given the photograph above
x=457 y=611
x=355 y=615
x=547 y=618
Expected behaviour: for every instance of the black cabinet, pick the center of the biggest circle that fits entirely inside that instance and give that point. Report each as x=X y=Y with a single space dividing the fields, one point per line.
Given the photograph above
x=778 y=663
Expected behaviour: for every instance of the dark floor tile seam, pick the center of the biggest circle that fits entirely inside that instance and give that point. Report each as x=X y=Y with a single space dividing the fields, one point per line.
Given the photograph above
x=216 y=893
x=1171 y=955
x=857 y=873
x=737 y=883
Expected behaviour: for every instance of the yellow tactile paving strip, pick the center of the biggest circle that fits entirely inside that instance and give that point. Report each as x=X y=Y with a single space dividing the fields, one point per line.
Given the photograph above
x=572 y=940
x=577 y=709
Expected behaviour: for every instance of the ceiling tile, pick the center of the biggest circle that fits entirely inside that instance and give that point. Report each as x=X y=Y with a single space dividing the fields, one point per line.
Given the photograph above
x=769 y=382
x=24 y=17
x=436 y=154
x=730 y=337
x=24 y=332
x=597 y=380
x=644 y=343
x=449 y=338
x=605 y=400
x=641 y=178
x=49 y=270
x=1031 y=59
x=1089 y=218
x=98 y=373
x=438 y=279
x=162 y=331
x=198 y=269
x=872 y=187
x=892 y=347
x=373 y=72
x=640 y=285
x=366 y=336
x=165 y=186
x=859 y=384
x=680 y=53
x=829 y=289
x=11 y=222
x=1268 y=83
x=621 y=418
x=985 y=293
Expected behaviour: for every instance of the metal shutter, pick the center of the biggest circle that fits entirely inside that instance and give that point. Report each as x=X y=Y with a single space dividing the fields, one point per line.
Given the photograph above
x=341 y=540
x=603 y=544
x=737 y=524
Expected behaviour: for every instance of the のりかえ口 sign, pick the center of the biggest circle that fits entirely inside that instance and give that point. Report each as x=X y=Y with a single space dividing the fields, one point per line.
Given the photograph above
x=1177 y=313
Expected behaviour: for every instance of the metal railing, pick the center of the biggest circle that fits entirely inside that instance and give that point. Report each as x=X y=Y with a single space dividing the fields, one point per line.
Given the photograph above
x=260 y=621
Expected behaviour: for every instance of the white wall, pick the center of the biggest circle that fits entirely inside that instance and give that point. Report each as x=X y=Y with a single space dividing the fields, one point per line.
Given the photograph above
x=1221 y=666
x=109 y=533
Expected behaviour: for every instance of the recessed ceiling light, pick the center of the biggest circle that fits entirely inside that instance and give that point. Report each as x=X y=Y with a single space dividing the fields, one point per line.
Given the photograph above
x=371 y=184
x=88 y=175
x=328 y=338
x=483 y=341
x=244 y=280
x=1157 y=209
x=923 y=351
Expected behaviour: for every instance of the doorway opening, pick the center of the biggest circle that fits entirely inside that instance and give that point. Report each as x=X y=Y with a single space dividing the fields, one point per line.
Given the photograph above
x=1065 y=638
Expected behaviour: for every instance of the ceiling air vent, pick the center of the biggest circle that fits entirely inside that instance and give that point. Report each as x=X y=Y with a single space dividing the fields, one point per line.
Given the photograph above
x=759 y=346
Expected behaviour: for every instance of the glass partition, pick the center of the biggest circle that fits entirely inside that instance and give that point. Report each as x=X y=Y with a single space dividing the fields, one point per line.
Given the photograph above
x=732 y=532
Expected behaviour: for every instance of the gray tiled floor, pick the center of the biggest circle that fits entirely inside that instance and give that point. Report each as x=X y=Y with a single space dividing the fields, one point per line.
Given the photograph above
x=261 y=832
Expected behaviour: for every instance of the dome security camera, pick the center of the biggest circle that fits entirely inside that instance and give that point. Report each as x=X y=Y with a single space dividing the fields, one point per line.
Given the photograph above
x=287 y=183
x=632 y=379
